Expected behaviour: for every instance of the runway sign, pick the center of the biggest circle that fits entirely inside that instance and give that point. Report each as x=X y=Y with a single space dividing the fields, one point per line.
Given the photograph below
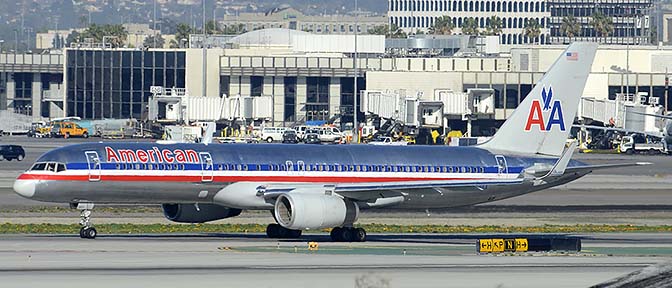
x=502 y=245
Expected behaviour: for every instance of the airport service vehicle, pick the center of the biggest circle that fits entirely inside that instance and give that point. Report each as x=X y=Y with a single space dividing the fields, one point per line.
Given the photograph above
x=289 y=137
x=387 y=141
x=326 y=134
x=312 y=187
x=272 y=134
x=634 y=144
x=10 y=152
x=301 y=131
x=68 y=129
x=312 y=138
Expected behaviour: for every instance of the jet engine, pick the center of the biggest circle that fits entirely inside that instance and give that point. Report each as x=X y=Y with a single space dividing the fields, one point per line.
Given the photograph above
x=197 y=213
x=299 y=211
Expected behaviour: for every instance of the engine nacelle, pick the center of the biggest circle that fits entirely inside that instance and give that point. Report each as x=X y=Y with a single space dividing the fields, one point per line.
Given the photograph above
x=188 y=213
x=299 y=211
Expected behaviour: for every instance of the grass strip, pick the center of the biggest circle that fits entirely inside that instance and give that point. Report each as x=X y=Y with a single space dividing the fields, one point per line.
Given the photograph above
x=11 y=228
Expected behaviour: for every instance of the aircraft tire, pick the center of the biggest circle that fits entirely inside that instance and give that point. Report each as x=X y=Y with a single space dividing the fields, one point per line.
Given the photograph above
x=336 y=234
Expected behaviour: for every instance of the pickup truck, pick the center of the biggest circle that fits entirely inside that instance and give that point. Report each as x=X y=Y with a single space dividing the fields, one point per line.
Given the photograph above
x=388 y=141
x=631 y=145
x=68 y=129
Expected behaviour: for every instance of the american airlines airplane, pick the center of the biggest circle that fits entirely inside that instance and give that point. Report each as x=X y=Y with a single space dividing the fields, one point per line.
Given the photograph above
x=309 y=187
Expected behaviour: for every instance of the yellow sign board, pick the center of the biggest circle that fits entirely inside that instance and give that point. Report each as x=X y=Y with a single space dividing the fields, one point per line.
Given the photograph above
x=485 y=245
x=502 y=245
x=497 y=245
x=313 y=246
x=521 y=245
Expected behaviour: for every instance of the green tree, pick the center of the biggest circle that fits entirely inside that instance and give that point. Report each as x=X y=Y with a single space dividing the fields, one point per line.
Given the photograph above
x=442 y=26
x=470 y=26
x=532 y=30
x=396 y=32
x=392 y=31
x=653 y=35
x=73 y=37
x=602 y=24
x=494 y=26
x=235 y=29
x=212 y=27
x=114 y=35
x=154 y=41
x=379 y=30
x=570 y=27
x=182 y=31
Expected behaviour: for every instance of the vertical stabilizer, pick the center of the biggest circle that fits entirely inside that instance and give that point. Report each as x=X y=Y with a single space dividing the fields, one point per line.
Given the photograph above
x=541 y=123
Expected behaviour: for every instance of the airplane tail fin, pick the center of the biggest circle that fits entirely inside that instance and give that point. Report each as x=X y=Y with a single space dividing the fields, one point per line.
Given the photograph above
x=541 y=123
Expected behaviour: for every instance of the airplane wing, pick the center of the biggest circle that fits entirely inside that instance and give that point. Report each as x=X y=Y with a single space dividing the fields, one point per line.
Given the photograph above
x=590 y=168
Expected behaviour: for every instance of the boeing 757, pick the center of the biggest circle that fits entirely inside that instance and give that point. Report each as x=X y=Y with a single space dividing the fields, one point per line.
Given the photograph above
x=312 y=187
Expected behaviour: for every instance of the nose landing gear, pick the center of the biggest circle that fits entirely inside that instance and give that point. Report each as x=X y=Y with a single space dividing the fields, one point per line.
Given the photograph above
x=87 y=231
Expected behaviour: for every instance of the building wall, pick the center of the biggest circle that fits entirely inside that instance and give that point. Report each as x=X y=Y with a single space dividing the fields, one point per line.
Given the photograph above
x=419 y=15
x=194 y=75
x=631 y=20
x=116 y=83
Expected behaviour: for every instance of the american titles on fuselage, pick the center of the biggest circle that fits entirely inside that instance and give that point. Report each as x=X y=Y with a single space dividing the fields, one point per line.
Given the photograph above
x=151 y=155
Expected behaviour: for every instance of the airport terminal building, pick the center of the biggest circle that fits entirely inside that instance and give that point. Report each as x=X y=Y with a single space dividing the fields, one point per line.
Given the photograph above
x=303 y=82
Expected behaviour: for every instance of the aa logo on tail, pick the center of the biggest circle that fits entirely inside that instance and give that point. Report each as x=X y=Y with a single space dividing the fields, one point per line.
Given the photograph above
x=544 y=117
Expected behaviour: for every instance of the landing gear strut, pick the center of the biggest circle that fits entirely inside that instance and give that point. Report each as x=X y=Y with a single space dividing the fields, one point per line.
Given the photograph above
x=277 y=231
x=87 y=231
x=348 y=234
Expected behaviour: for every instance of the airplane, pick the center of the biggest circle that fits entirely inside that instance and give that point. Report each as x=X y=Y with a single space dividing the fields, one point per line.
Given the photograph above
x=313 y=187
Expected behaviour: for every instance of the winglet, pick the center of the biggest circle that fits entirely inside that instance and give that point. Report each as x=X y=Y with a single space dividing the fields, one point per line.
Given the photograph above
x=208 y=134
x=561 y=165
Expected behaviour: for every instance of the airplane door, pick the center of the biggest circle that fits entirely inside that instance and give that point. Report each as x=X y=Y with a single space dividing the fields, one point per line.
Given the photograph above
x=207 y=167
x=502 y=168
x=93 y=164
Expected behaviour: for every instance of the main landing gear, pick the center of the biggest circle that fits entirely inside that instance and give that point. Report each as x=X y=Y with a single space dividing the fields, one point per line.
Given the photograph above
x=87 y=231
x=277 y=231
x=348 y=234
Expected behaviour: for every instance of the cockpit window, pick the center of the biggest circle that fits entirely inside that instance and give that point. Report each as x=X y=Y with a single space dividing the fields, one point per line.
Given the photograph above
x=38 y=166
x=48 y=166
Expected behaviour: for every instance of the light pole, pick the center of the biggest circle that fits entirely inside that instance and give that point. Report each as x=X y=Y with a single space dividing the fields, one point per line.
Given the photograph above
x=355 y=125
x=205 y=67
x=16 y=41
x=154 y=22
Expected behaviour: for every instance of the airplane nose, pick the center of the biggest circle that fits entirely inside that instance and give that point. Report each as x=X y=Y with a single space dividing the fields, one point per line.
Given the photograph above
x=25 y=188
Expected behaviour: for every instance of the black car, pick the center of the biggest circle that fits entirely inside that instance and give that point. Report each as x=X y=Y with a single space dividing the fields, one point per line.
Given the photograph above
x=289 y=136
x=312 y=138
x=11 y=152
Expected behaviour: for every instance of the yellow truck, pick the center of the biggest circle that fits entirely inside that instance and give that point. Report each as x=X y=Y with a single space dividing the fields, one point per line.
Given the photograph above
x=68 y=129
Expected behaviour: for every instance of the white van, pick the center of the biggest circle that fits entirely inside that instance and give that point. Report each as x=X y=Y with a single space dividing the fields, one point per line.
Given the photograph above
x=272 y=134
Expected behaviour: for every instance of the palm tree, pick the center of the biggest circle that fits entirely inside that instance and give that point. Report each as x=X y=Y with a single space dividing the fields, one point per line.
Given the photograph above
x=442 y=26
x=570 y=27
x=470 y=26
x=182 y=31
x=154 y=41
x=396 y=32
x=494 y=26
x=602 y=24
x=379 y=30
x=532 y=30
